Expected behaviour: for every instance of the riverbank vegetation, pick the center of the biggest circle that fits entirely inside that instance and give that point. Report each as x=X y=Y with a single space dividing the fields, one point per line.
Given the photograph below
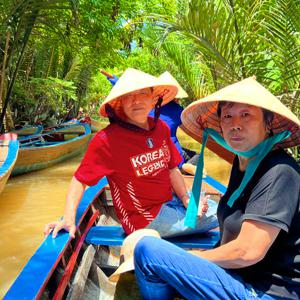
x=51 y=51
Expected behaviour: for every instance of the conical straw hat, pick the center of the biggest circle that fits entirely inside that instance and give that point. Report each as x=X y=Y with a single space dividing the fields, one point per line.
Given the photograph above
x=202 y=114
x=127 y=249
x=169 y=79
x=134 y=80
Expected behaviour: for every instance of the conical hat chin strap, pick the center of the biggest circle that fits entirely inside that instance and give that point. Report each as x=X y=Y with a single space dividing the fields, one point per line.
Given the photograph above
x=257 y=154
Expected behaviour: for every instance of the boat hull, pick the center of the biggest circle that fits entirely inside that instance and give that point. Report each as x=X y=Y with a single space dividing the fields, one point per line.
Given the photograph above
x=96 y=125
x=8 y=155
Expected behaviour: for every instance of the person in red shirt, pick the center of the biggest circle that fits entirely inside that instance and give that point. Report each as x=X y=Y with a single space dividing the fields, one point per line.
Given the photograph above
x=136 y=154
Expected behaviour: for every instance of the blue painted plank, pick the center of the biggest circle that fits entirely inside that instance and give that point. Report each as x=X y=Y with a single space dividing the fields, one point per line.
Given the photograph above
x=215 y=184
x=11 y=157
x=35 y=272
x=106 y=235
x=197 y=241
x=115 y=235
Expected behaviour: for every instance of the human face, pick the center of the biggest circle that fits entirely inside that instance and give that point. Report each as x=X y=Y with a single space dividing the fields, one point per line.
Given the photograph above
x=243 y=126
x=137 y=106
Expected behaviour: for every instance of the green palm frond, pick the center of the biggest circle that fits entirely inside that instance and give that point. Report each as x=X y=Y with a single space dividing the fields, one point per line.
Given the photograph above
x=195 y=82
x=74 y=70
x=283 y=37
x=227 y=35
x=237 y=39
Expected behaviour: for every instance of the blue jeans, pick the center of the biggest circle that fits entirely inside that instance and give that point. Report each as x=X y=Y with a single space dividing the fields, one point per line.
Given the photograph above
x=170 y=219
x=164 y=270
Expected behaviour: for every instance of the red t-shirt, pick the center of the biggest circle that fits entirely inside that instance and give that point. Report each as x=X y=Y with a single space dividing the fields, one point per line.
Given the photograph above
x=136 y=165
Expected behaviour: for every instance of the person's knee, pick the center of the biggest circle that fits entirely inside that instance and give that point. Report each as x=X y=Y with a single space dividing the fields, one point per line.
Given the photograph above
x=145 y=248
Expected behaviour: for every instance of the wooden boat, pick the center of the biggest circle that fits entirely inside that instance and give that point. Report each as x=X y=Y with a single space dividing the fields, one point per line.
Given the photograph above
x=41 y=151
x=70 y=127
x=28 y=130
x=211 y=145
x=73 y=268
x=9 y=147
x=96 y=125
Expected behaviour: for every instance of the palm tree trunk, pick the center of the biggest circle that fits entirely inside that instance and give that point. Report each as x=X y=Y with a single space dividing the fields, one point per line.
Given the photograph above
x=4 y=67
x=50 y=62
x=9 y=123
x=27 y=33
x=8 y=118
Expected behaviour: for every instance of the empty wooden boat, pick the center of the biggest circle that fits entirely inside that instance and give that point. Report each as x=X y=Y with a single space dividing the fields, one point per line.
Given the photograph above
x=44 y=150
x=96 y=125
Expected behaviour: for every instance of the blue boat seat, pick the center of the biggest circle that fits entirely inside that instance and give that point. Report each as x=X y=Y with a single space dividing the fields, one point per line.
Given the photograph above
x=115 y=235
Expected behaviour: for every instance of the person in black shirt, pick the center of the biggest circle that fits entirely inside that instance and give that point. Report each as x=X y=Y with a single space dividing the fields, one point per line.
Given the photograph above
x=258 y=256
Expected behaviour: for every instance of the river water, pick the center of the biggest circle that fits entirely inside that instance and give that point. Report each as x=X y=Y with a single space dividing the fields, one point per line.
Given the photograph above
x=29 y=201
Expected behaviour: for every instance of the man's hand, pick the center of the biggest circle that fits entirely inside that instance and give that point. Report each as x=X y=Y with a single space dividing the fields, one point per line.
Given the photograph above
x=56 y=226
x=203 y=206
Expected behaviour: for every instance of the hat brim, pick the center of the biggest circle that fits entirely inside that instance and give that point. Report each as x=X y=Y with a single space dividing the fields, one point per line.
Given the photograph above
x=127 y=250
x=126 y=266
x=166 y=92
x=202 y=114
x=168 y=78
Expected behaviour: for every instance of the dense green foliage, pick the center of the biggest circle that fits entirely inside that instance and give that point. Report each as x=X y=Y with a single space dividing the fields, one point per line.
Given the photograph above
x=51 y=50
x=56 y=47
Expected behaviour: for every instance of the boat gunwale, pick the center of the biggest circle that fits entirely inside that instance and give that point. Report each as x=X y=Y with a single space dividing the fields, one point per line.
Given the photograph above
x=19 y=132
x=56 y=246
x=10 y=158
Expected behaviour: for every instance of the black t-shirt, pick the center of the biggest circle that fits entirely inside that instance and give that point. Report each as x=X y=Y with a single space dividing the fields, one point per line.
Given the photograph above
x=272 y=196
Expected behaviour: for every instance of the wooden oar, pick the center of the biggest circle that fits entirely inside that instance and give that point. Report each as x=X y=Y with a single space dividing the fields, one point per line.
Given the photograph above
x=191 y=169
x=106 y=73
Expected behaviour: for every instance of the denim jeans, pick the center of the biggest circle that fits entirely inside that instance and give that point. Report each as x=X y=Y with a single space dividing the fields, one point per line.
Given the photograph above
x=170 y=219
x=164 y=270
